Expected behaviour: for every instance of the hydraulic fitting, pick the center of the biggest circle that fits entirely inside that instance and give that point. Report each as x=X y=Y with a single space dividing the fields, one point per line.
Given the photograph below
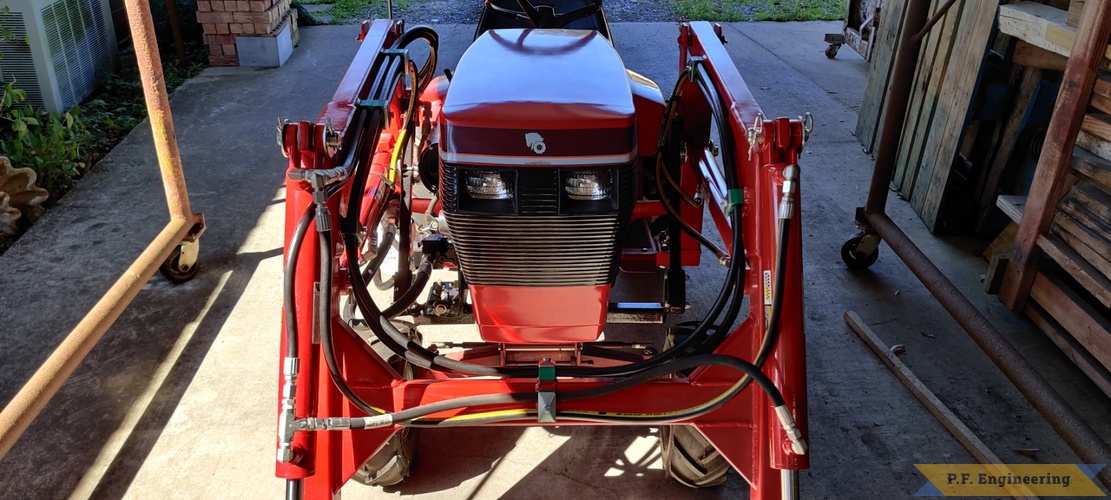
x=287 y=421
x=790 y=187
x=798 y=444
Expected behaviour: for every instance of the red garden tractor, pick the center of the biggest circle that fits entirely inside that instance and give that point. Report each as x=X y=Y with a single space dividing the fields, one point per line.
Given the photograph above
x=513 y=194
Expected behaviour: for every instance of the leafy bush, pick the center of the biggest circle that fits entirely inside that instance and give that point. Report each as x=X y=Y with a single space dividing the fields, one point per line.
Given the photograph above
x=48 y=143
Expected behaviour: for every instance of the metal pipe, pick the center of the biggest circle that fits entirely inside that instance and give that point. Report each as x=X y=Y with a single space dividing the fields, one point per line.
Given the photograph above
x=789 y=480
x=31 y=399
x=895 y=112
x=294 y=489
x=1088 y=445
x=933 y=20
x=158 y=107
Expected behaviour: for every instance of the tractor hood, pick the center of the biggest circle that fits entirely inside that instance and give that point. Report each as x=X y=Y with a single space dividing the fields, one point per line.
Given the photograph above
x=547 y=97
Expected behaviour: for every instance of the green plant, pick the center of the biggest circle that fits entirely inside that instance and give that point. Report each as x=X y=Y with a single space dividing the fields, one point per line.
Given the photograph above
x=759 y=10
x=48 y=143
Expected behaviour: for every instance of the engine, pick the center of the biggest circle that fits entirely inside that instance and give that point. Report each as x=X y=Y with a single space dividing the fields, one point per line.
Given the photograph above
x=538 y=155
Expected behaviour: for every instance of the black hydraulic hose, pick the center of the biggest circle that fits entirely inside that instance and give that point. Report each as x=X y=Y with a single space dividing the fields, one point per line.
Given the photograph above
x=380 y=252
x=324 y=325
x=401 y=345
x=407 y=416
x=288 y=295
x=412 y=294
x=429 y=35
x=603 y=390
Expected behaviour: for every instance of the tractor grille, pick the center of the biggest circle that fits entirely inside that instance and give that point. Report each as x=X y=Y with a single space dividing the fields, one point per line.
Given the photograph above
x=506 y=250
x=538 y=246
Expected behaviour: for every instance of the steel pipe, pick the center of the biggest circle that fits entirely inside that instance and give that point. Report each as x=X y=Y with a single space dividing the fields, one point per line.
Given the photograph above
x=895 y=110
x=1088 y=445
x=36 y=393
x=158 y=107
x=26 y=405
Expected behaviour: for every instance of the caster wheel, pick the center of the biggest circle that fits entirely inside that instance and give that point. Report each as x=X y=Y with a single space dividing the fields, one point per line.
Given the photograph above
x=182 y=265
x=855 y=259
x=831 y=51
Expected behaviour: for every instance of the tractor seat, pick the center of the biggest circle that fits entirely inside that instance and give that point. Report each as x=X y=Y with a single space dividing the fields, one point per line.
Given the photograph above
x=494 y=19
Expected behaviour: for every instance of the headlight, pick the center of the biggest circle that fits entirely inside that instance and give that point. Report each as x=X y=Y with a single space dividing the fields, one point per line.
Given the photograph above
x=489 y=184
x=589 y=185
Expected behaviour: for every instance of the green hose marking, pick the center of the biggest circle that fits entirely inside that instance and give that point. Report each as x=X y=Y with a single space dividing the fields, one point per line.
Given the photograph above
x=736 y=197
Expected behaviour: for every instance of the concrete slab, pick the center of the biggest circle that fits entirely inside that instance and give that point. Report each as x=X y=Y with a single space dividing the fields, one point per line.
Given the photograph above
x=178 y=400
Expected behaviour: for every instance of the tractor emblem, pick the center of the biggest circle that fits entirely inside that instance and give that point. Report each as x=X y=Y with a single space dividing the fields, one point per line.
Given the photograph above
x=536 y=143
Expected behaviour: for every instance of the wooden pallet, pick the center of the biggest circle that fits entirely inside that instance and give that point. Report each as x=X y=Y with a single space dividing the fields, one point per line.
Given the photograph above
x=938 y=109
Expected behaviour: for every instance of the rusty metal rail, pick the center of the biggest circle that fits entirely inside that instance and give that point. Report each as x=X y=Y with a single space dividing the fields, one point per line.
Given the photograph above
x=873 y=219
x=184 y=225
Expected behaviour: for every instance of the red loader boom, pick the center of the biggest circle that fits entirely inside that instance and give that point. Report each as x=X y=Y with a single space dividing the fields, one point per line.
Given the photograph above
x=537 y=175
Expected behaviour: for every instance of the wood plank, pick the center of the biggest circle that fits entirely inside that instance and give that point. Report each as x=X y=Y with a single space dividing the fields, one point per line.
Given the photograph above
x=1097 y=124
x=927 y=81
x=1074 y=227
x=869 y=117
x=1092 y=167
x=1076 y=7
x=1103 y=84
x=1002 y=243
x=1089 y=217
x=1094 y=145
x=1043 y=26
x=1072 y=349
x=1020 y=105
x=1094 y=201
x=1054 y=164
x=952 y=113
x=1101 y=103
x=1031 y=56
x=1084 y=273
x=1076 y=316
x=1012 y=205
x=938 y=409
x=940 y=45
x=1097 y=261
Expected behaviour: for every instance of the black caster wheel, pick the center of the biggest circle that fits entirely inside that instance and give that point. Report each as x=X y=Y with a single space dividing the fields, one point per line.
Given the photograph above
x=180 y=267
x=831 y=51
x=855 y=259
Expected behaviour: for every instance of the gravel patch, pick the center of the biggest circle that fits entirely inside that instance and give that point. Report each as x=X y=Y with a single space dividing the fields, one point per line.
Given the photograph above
x=467 y=11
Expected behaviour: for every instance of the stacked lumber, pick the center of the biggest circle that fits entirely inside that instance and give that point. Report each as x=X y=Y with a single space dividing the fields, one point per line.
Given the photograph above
x=1060 y=263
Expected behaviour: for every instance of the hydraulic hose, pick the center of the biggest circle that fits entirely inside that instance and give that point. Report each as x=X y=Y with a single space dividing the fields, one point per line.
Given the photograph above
x=288 y=295
x=412 y=294
x=399 y=343
x=642 y=372
x=324 y=325
x=381 y=251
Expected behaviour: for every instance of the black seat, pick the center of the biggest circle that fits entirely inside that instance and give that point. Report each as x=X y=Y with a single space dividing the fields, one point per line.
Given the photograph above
x=493 y=18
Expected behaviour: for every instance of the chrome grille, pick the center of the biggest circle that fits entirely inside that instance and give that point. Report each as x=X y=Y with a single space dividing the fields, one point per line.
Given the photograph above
x=546 y=250
x=536 y=246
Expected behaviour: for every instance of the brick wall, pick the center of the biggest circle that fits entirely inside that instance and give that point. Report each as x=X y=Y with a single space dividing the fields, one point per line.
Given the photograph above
x=224 y=20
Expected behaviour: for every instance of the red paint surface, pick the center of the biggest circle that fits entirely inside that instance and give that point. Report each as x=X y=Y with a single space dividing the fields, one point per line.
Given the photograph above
x=540 y=314
x=744 y=430
x=546 y=79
